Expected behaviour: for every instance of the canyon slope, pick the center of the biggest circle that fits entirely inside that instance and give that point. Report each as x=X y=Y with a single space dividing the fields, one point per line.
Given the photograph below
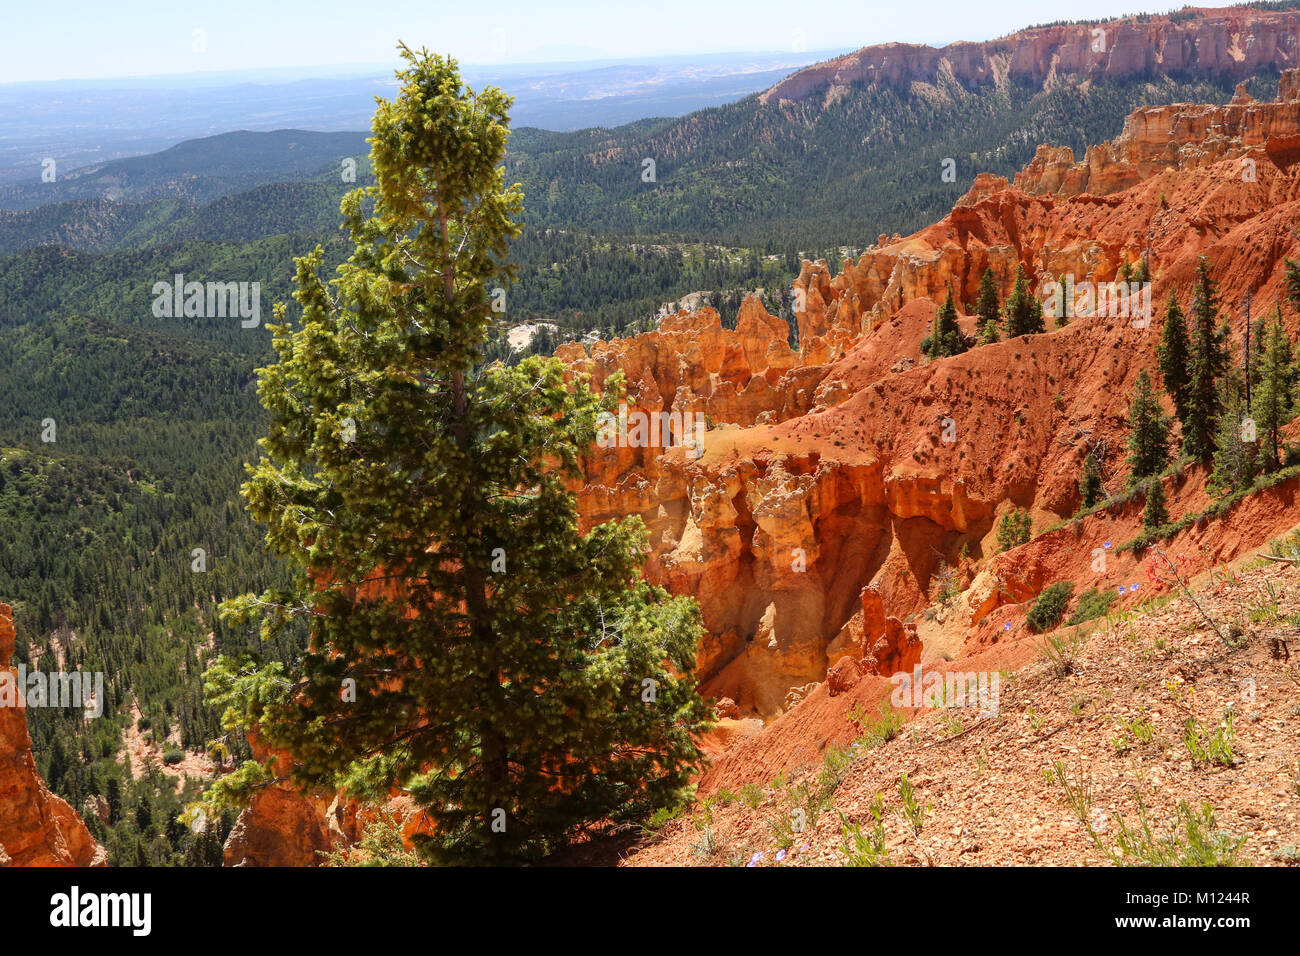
x=835 y=481
x=37 y=828
x=993 y=788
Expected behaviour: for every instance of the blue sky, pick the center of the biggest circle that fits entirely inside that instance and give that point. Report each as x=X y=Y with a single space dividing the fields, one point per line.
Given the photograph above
x=100 y=38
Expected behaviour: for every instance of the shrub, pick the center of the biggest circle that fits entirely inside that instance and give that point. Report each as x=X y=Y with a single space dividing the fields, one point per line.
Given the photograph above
x=944 y=585
x=1060 y=650
x=172 y=756
x=1049 y=607
x=1014 y=529
x=1192 y=841
x=1216 y=748
x=381 y=844
x=912 y=811
x=1092 y=605
x=865 y=849
x=877 y=730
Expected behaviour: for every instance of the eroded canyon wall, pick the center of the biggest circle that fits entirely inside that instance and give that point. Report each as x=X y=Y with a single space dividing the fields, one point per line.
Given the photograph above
x=836 y=479
x=1234 y=43
x=37 y=828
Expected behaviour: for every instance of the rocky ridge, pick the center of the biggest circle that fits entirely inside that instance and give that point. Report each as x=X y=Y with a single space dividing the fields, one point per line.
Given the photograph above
x=1232 y=42
x=37 y=827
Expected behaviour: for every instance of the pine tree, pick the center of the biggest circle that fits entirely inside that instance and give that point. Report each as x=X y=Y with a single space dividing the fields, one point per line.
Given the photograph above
x=987 y=305
x=1015 y=529
x=1173 y=357
x=1155 y=514
x=1293 y=283
x=114 y=796
x=1272 y=390
x=467 y=643
x=945 y=337
x=1291 y=377
x=1149 y=436
x=1090 y=488
x=1236 y=442
x=1024 y=313
x=1208 y=364
x=1059 y=305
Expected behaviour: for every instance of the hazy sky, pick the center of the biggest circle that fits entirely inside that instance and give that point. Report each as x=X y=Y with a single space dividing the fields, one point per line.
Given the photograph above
x=102 y=38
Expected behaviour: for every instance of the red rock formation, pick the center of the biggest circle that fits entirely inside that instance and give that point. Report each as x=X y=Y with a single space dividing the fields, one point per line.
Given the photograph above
x=1184 y=136
x=279 y=827
x=37 y=828
x=1233 y=42
x=822 y=504
x=843 y=675
x=286 y=826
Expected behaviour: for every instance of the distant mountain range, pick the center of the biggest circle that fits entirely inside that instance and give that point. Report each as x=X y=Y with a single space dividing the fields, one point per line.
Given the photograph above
x=198 y=170
x=885 y=139
x=84 y=122
x=1211 y=43
x=882 y=140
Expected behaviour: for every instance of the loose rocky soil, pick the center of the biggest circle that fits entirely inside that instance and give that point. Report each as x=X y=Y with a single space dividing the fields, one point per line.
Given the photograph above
x=989 y=787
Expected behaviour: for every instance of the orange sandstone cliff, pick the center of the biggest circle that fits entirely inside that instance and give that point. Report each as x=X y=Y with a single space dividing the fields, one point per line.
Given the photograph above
x=836 y=480
x=1235 y=42
x=37 y=828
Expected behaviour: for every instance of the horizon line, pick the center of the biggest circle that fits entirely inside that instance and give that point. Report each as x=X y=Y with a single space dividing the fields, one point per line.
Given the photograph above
x=376 y=69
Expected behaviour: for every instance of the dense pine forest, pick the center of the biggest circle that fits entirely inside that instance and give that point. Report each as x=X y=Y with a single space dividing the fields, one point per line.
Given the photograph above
x=816 y=176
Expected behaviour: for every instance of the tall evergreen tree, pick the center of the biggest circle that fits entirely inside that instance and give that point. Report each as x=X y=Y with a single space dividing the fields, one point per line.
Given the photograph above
x=1208 y=364
x=1155 y=513
x=1173 y=357
x=1287 y=356
x=987 y=304
x=1258 y=346
x=945 y=337
x=1236 y=442
x=1148 y=441
x=1090 y=487
x=1059 y=306
x=1270 y=400
x=1024 y=313
x=467 y=643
